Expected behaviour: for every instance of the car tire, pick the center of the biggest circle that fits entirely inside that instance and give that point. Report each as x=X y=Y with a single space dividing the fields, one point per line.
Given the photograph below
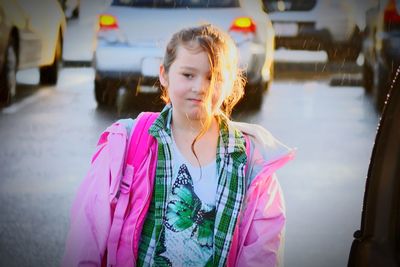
x=368 y=77
x=75 y=13
x=253 y=97
x=105 y=93
x=49 y=74
x=8 y=81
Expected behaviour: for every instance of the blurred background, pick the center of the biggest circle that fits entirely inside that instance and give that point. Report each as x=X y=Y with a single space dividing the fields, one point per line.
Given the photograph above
x=318 y=73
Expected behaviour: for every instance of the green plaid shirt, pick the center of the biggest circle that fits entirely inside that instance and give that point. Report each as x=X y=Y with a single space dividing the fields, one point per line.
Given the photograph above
x=231 y=160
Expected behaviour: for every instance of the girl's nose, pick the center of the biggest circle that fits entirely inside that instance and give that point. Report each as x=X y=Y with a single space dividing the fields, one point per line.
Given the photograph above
x=201 y=86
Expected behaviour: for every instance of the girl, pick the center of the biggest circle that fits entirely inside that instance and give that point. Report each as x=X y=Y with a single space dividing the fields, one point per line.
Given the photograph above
x=215 y=199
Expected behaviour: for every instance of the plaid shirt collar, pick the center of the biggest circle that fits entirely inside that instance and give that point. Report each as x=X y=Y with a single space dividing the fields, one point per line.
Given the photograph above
x=232 y=139
x=231 y=160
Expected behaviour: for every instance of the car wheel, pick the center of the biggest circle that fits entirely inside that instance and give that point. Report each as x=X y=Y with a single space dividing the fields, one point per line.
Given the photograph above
x=8 y=81
x=253 y=97
x=368 y=77
x=49 y=74
x=75 y=13
x=105 y=93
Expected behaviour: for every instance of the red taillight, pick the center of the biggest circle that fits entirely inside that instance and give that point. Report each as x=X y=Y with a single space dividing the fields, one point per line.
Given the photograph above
x=107 y=22
x=391 y=16
x=243 y=24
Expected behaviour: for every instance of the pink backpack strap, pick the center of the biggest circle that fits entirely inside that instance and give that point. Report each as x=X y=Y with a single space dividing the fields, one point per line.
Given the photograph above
x=141 y=140
x=139 y=144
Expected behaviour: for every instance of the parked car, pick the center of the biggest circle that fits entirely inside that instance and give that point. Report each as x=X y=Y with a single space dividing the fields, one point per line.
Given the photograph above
x=381 y=48
x=377 y=243
x=132 y=35
x=31 y=36
x=330 y=25
x=8 y=47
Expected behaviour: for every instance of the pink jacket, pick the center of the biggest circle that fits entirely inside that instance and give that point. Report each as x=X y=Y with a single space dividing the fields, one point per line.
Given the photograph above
x=258 y=238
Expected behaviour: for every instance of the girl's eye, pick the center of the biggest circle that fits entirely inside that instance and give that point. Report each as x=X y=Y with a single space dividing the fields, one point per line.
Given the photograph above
x=188 y=75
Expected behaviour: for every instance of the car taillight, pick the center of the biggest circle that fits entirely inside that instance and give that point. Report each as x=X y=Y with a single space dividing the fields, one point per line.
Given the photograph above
x=107 y=22
x=244 y=25
x=391 y=17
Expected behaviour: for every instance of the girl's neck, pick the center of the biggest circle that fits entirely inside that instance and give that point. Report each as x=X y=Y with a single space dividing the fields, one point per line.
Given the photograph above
x=191 y=127
x=186 y=131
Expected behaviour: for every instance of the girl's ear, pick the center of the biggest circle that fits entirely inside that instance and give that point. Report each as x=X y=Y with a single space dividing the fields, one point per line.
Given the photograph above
x=163 y=76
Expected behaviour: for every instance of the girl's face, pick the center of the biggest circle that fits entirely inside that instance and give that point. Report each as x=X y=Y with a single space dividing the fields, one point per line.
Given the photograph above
x=188 y=83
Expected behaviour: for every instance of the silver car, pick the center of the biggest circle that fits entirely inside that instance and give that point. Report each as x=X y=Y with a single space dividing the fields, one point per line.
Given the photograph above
x=132 y=35
x=31 y=35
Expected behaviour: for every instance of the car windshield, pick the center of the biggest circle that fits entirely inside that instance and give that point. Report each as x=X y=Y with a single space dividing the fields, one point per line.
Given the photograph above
x=177 y=3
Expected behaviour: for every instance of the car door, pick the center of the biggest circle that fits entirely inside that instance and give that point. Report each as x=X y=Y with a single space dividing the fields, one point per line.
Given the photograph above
x=377 y=243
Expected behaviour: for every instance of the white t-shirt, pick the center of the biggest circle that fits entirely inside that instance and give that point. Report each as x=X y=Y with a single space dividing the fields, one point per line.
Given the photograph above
x=205 y=186
x=190 y=214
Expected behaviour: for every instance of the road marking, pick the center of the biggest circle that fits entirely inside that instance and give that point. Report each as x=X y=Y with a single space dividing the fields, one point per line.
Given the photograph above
x=27 y=101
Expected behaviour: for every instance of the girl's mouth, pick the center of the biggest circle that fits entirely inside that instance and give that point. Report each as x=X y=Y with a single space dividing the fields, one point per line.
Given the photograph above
x=198 y=101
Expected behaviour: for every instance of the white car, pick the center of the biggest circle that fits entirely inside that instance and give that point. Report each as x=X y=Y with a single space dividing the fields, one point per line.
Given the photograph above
x=132 y=35
x=31 y=36
x=332 y=25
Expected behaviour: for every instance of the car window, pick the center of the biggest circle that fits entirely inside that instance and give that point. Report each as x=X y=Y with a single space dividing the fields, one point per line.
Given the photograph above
x=177 y=3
